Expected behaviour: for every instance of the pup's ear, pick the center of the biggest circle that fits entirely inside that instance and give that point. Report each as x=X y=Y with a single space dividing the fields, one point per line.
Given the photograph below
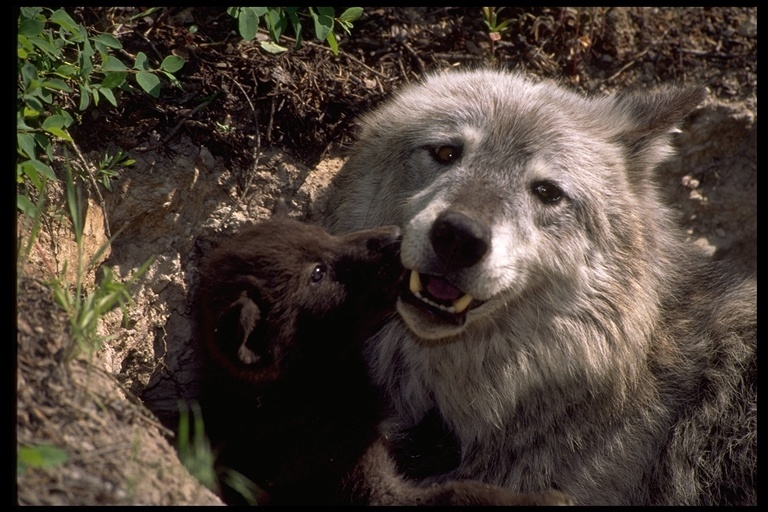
x=647 y=119
x=249 y=319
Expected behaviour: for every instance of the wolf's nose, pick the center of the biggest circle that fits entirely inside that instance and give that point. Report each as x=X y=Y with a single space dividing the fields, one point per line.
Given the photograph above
x=458 y=239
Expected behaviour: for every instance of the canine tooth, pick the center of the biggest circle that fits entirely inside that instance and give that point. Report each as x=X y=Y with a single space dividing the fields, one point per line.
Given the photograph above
x=415 y=284
x=459 y=305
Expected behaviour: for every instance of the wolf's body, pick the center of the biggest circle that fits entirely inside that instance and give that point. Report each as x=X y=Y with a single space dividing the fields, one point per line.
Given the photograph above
x=556 y=319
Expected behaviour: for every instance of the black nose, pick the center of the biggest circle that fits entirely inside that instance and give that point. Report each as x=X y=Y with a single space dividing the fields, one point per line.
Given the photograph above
x=459 y=240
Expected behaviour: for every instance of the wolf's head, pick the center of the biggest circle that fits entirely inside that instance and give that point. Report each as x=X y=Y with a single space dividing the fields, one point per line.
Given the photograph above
x=508 y=188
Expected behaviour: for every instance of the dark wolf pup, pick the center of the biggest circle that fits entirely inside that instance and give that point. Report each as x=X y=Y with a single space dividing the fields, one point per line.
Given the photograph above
x=284 y=309
x=555 y=318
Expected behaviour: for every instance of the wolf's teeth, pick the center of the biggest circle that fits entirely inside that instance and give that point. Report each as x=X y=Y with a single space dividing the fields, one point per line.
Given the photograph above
x=415 y=284
x=459 y=305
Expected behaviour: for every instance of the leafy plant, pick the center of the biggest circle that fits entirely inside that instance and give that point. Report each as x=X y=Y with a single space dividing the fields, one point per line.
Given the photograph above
x=85 y=309
x=62 y=69
x=194 y=449
x=278 y=19
x=495 y=28
x=109 y=164
x=196 y=455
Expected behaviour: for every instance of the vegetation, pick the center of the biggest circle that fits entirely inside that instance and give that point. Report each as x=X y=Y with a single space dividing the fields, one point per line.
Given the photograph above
x=278 y=19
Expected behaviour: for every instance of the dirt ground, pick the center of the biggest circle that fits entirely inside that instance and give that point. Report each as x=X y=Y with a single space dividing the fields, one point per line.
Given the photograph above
x=247 y=128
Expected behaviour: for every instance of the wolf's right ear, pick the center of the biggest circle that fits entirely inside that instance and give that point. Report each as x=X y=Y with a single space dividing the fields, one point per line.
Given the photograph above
x=647 y=120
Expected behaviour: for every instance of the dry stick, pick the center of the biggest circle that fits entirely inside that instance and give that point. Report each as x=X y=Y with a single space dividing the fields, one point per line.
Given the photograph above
x=628 y=64
x=256 y=150
x=635 y=58
x=142 y=149
x=422 y=69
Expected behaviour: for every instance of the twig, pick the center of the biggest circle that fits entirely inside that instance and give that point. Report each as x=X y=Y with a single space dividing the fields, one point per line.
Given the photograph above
x=422 y=69
x=628 y=64
x=635 y=59
x=257 y=149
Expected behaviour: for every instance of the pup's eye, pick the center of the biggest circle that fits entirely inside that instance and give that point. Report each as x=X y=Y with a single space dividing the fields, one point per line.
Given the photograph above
x=317 y=273
x=547 y=192
x=446 y=154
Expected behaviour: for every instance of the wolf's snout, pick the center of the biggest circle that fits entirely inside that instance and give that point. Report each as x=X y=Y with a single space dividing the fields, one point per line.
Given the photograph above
x=458 y=239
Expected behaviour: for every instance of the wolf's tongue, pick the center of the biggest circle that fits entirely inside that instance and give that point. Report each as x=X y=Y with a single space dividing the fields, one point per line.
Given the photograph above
x=442 y=289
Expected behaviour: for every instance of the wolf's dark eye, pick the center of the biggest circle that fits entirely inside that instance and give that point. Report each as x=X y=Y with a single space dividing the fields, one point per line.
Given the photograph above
x=446 y=154
x=317 y=273
x=547 y=192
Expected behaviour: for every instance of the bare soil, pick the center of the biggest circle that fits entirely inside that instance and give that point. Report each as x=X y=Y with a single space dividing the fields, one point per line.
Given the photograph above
x=249 y=127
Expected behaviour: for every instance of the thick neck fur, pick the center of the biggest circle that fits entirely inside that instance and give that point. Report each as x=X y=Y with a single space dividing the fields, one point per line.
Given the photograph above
x=551 y=381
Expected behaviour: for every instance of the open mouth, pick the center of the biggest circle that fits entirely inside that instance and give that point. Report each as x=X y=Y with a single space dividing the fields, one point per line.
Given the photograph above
x=439 y=297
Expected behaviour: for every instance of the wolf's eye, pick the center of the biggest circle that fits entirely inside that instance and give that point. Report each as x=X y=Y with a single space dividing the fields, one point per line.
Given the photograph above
x=446 y=154
x=317 y=273
x=547 y=192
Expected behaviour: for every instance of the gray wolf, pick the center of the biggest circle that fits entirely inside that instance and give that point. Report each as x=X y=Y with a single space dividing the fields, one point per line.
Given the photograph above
x=284 y=309
x=555 y=318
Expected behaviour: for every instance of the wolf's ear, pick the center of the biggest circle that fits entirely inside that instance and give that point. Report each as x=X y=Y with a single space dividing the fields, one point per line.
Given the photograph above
x=647 y=119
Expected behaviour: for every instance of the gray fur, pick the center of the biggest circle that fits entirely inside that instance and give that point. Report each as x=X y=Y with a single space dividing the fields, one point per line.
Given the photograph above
x=603 y=356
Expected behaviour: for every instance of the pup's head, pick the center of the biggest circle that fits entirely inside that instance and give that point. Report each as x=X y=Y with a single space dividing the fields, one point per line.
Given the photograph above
x=284 y=293
x=506 y=188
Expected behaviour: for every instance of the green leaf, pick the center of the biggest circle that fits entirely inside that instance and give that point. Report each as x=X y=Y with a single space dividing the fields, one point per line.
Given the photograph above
x=107 y=93
x=56 y=84
x=333 y=43
x=28 y=74
x=248 y=22
x=46 y=47
x=84 y=59
x=114 y=64
x=112 y=80
x=53 y=122
x=30 y=12
x=25 y=206
x=172 y=64
x=30 y=171
x=85 y=98
x=323 y=24
x=272 y=47
x=295 y=24
x=141 y=62
x=33 y=108
x=58 y=132
x=24 y=44
x=149 y=82
x=61 y=18
x=351 y=14
x=26 y=143
x=33 y=168
x=66 y=71
x=277 y=23
x=30 y=28
x=108 y=40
